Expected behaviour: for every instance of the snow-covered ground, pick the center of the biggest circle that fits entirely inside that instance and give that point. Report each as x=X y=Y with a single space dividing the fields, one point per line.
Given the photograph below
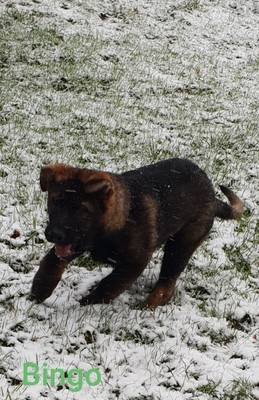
x=114 y=85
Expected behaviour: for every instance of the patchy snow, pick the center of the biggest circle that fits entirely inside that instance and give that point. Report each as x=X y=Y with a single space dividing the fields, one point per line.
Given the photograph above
x=114 y=85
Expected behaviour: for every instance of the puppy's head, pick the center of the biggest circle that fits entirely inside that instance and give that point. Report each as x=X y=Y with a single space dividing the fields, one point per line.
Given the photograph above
x=80 y=205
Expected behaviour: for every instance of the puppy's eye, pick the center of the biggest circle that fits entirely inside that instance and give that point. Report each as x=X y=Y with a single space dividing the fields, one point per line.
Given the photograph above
x=85 y=207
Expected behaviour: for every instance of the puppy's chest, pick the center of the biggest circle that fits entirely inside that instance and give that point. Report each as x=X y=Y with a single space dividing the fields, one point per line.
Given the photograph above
x=106 y=252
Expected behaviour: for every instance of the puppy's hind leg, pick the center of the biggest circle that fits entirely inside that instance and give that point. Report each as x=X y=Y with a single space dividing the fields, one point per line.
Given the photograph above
x=177 y=252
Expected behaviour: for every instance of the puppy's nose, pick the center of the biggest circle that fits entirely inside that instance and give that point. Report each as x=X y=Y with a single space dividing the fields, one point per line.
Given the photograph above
x=55 y=235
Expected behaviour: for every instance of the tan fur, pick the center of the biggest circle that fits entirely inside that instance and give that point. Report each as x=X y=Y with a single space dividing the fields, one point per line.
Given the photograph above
x=236 y=204
x=117 y=208
x=61 y=172
x=150 y=209
x=160 y=295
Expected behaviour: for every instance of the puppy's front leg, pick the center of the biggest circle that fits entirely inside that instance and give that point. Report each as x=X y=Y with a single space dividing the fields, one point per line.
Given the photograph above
x=114 y=284
x=47 y=276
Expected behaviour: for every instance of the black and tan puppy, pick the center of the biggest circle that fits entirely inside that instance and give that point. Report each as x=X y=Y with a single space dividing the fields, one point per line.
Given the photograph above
x=122 y=219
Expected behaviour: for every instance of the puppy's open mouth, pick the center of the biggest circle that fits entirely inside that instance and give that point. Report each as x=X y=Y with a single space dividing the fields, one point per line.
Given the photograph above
x=63 y=251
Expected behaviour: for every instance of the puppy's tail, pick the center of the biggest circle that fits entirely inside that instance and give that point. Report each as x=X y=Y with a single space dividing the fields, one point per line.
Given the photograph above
x=226 y=211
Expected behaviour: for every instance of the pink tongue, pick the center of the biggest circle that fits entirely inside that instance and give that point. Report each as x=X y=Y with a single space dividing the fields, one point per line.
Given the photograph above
x=63 y=251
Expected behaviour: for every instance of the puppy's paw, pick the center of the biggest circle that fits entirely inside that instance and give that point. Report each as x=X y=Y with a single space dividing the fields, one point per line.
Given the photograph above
x=90 y=300
x=33 y=297
x=84 y=301
x=95 y=297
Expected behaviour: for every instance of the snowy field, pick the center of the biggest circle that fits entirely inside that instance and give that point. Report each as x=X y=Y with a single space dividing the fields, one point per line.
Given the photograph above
x=113 y=85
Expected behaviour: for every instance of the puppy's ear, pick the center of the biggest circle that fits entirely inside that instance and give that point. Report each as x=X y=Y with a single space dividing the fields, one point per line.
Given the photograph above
x=100 y=184
x=55 y=173
x=102 y=188
x=46 y=177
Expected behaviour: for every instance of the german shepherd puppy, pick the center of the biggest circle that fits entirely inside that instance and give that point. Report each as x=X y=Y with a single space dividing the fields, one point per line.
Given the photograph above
x=122 y=219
